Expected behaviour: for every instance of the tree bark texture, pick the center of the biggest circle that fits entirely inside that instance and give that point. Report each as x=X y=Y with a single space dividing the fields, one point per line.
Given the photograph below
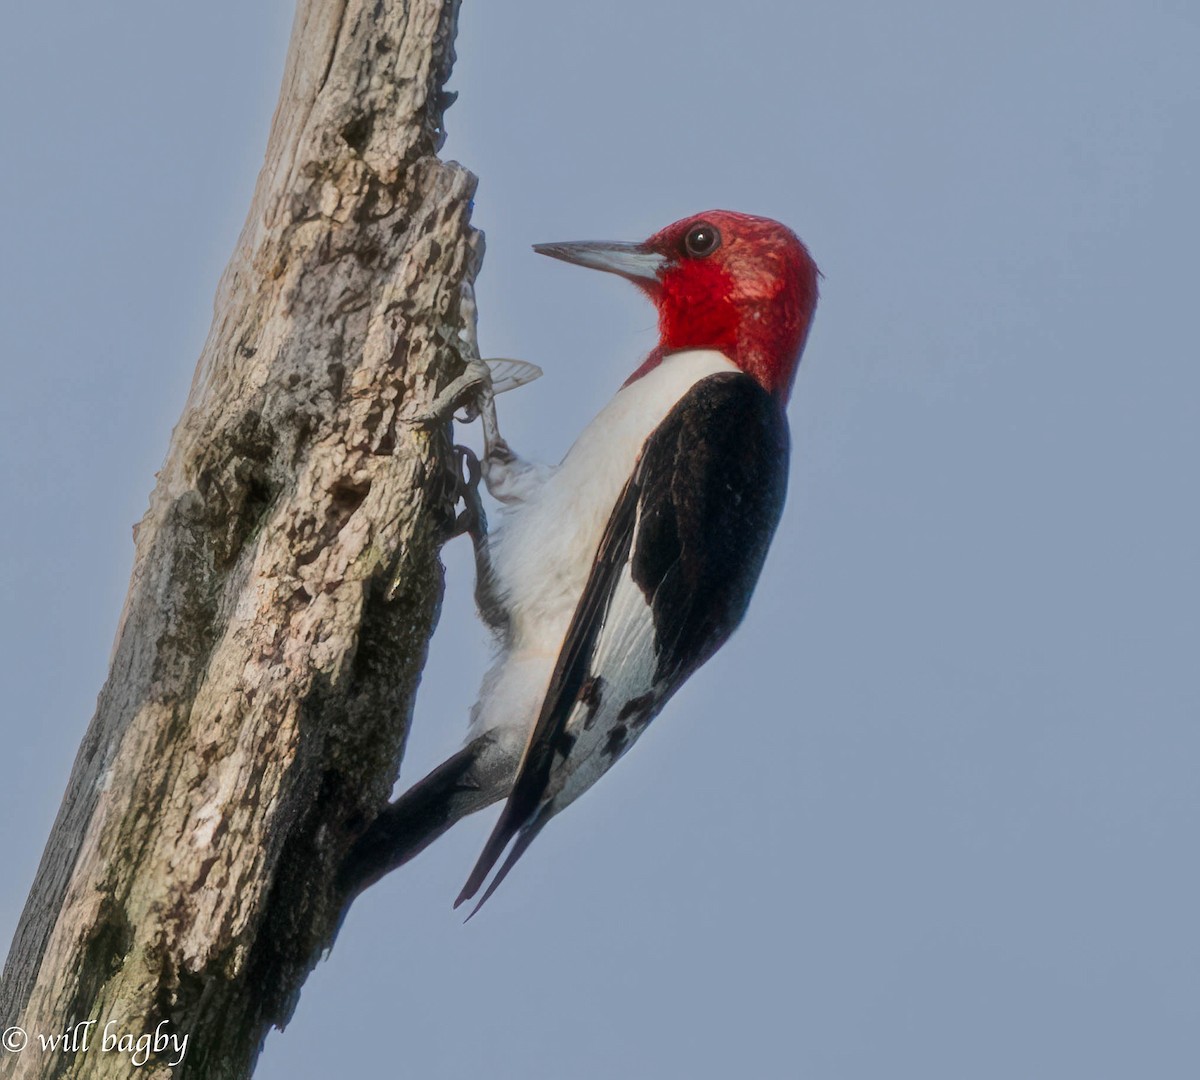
x=263 y=675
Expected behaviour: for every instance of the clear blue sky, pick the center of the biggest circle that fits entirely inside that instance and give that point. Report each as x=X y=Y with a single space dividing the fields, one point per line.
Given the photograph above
x=933 y=813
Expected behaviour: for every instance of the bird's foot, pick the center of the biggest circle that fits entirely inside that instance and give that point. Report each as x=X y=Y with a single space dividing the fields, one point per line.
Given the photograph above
x=471 y=519
x=461 y=485
x=471 y=393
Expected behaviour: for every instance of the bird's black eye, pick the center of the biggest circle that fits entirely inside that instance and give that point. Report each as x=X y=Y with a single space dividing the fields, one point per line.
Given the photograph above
x=701 y=240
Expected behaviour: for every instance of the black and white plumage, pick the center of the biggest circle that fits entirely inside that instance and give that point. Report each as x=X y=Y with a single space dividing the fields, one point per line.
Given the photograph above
x=671 y=579
x=613 y=576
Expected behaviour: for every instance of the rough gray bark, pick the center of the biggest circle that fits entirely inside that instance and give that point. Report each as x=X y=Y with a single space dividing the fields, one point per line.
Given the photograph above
x=263 y=676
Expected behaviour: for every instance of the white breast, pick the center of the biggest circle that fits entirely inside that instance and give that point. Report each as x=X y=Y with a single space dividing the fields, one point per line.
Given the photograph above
x=544 y=546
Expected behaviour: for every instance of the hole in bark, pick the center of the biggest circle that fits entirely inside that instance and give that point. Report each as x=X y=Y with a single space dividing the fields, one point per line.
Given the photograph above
x=108 y=944
x=337 y=379
x=357 y=132
x=345 y=498
x=248 y=512
x=368 y=254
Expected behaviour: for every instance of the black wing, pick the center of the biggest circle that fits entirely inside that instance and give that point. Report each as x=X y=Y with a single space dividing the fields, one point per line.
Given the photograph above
x=671 y=580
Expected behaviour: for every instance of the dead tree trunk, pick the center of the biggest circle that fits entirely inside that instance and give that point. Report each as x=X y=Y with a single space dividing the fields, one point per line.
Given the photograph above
x=262 y=677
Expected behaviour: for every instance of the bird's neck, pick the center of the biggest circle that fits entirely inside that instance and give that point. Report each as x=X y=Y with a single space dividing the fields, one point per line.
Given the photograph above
x=760 y=351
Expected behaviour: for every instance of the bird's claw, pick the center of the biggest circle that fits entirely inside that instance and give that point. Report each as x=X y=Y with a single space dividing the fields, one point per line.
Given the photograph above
x=467 y=473
x=471 y=392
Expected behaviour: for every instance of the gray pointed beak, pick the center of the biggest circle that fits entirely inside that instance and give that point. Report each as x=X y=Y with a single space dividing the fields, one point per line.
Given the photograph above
x=629 y=260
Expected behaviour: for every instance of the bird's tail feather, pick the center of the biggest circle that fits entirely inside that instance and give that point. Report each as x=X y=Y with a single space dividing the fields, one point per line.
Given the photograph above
x=477 y=776
x=504 y=831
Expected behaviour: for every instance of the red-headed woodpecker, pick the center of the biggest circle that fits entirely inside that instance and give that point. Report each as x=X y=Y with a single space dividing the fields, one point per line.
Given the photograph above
x=614 y=575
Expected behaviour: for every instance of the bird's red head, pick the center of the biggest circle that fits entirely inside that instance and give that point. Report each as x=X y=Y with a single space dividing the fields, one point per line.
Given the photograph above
x=743 y=285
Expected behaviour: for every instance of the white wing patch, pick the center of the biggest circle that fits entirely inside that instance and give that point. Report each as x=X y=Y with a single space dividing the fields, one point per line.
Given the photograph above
x=620 y=695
